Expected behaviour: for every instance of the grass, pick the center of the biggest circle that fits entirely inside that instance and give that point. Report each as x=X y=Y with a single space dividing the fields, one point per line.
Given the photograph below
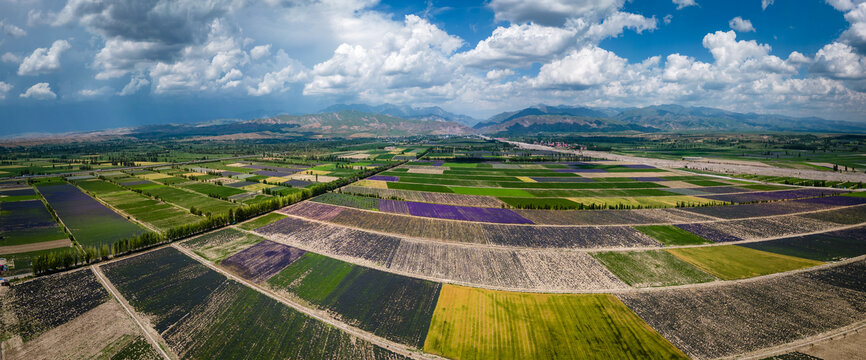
x=213 y=190
x=262 y=221
x=730 y=262
x=473 y=323
x=490 y=191
x=671 y=235
x=651 y=268
x=358 y=202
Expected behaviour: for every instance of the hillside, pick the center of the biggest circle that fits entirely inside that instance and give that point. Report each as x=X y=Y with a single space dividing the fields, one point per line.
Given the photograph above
x=351 y=123
x=432 y=113
x=542 y=118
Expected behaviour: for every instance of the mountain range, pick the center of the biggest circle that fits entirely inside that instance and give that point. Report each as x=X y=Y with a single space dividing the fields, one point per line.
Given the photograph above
x=387 y=120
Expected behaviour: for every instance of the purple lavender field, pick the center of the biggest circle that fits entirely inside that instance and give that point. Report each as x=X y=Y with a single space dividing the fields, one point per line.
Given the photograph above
x=453 y=212
x=261 y=261
x=383 y=178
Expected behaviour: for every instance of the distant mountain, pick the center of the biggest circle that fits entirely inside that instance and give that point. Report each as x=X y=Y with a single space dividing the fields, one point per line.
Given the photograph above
x=542 y=118
x=542 y=109
x=433 y=113
x=532 y=124
x=350 y=123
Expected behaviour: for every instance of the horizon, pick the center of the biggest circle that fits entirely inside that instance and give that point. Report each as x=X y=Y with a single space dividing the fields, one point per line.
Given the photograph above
x=68 y=67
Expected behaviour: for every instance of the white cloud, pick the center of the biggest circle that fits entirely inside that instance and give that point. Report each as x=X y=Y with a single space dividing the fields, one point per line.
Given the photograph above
x=43 y=60
x=668 y=18
x=684 y=3
x=519 y=45
x=855 y=35
x=260 y=51
x=4 y=89
x=90 y=93
x=10 y=58
x=415 y=56
x=552 y=12
x=135 y=84
x=40 y=91
x=12 y=30
x=845 y=5
x=741 y=25
x=588 y=67
x=839 y=61
x=497 y=74
x=766 y=3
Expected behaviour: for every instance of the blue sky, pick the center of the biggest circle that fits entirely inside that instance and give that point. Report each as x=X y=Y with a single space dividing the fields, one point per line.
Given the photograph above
x=95 y=64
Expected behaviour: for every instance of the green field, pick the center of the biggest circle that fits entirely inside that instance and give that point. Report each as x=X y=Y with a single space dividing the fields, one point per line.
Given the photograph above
x=651 y=268
x=262 y=221
x=158 y=214
x=730 y=262
x=217 y=191
x=541 y=203
x=671 y=235
x=218 y=245
x=189 y=199
x=491 y=191
x=472 y=323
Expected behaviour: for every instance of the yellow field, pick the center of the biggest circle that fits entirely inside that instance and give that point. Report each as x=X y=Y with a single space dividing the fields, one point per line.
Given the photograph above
x=473 y=323
x=372 y=184
x=526 y=179
x=148 y=163
x=154 y=176
x=277 y=179
x=647 y=201
x=256 y=187
x=729 y=262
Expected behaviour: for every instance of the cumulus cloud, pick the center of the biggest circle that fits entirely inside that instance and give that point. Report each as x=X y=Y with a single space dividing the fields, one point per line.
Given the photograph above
x=844 y=5
x=497 y=74
x=90 y=93
x=40 y=91
x=551 y=12
x=588 y=67
x=135 y=84
x=416 y=55
x=260 y=51
x=523 y=44
x=741 y=25
x=855 y=35
x=43 y=60
x=12 y=30
x=10 y=58
x=766 y=3
x=684 y=3
x=839 y=61
x=4 y=89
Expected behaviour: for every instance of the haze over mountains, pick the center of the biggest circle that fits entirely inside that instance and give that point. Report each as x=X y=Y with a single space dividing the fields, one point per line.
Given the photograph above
x=388 y=120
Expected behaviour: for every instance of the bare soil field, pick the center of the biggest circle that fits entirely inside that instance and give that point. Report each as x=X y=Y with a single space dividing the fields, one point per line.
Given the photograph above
x=748 y=316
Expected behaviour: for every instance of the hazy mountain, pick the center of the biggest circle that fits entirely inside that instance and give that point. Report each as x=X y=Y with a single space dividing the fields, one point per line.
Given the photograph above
x=350 y=123
x=432 y=113
x=543 y=118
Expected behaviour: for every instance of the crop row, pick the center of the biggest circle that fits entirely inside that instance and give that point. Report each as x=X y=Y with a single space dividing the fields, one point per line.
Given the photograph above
x=777 y=208
x=465 y=231
x=484 y=266
x=90 y=222
x=739 y=318
x=27 y=221
x=201 y=314
x=428 y=197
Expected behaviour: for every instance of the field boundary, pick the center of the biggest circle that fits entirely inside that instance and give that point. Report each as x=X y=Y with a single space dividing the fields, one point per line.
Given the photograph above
x=835 y=334
x=721 y=220
x=152 y=336
x=614 y=291
x=319 y=315
x=587 y=250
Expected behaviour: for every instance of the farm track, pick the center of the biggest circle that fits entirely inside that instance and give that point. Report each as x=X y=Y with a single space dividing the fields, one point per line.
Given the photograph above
x=152 y=336
x=804 y=343
x=43 y=245
x=316 y=314
x=595 y=249
x=720 y=220
x=370 y=264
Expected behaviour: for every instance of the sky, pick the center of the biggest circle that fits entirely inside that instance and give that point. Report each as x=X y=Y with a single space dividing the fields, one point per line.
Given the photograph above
x=69 y=65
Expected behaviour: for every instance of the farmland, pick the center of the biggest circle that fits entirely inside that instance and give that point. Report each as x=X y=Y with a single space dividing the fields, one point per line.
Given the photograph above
x=193 y=306
x=463 y=248
x=68 y=315
x=482 y=324
x=90 y=222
